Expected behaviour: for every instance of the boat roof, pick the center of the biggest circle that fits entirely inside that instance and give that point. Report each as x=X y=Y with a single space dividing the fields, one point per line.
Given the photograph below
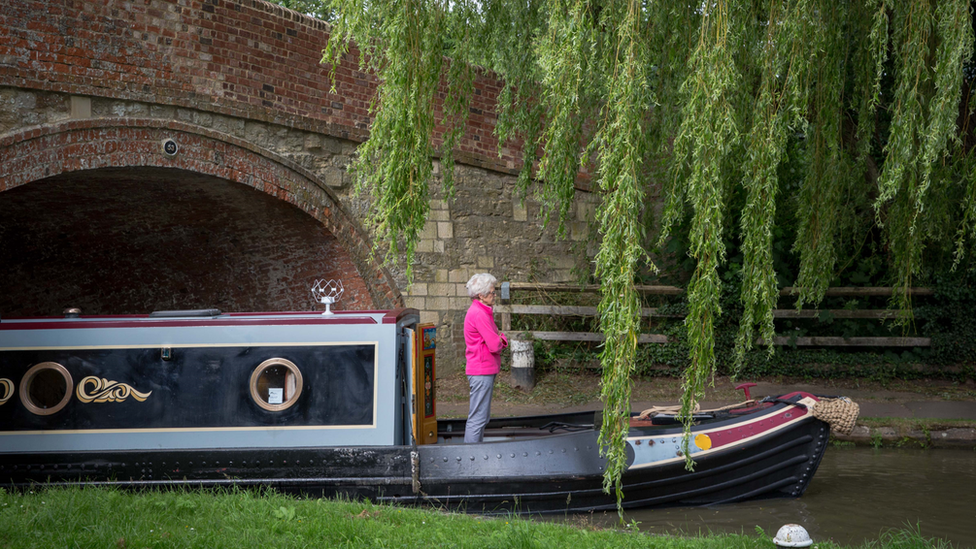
x=206 y=317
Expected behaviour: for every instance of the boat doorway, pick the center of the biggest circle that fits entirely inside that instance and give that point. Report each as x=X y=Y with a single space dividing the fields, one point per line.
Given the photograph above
x=423 y=340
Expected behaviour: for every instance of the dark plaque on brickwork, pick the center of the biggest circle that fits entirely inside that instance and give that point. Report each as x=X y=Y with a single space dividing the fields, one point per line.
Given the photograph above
x=170 y=148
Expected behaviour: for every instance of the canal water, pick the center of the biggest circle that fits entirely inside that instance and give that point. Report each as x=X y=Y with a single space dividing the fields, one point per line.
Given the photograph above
x=856 y=495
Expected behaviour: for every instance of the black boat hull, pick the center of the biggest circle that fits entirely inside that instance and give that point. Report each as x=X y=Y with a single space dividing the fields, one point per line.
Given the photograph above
x=558 y=473
x=779 y=465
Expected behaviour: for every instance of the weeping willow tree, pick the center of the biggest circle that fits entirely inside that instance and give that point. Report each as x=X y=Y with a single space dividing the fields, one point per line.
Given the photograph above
x=697 y=102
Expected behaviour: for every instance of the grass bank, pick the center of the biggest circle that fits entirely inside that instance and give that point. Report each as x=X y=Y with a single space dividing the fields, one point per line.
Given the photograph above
x=109 y=518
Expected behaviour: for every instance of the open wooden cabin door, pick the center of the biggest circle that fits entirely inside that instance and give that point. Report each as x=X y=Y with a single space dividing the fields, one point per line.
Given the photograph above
x=424 y=384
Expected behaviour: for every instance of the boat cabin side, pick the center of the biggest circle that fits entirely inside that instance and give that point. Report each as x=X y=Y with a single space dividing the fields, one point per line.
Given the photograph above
x=206 y=379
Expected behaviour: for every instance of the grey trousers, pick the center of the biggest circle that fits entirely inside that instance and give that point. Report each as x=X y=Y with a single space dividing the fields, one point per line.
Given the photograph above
x=480 y=407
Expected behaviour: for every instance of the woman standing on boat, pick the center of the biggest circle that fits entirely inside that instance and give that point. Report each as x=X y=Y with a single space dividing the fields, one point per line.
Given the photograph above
x=483 y=352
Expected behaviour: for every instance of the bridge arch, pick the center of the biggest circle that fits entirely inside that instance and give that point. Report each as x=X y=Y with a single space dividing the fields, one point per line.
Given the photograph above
x=124 y=158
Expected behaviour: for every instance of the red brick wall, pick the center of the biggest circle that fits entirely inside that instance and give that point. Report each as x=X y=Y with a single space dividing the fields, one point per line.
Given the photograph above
x=135 y=240
x=82 y=146
x=243 y=58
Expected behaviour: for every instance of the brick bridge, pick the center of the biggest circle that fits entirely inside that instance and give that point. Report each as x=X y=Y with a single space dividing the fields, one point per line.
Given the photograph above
x=256 y=202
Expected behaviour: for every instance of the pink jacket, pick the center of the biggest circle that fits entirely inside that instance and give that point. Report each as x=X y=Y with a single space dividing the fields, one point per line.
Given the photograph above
x=483 y=342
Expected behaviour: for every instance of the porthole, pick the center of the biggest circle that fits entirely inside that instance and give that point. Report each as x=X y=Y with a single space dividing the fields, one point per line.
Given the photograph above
x=46 y=388
x=276 y=384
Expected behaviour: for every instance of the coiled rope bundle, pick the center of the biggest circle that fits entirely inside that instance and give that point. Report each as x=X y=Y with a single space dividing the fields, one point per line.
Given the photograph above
x=840 y=413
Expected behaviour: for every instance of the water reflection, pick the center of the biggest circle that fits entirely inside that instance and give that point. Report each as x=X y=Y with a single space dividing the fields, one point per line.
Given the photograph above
x=856 y=494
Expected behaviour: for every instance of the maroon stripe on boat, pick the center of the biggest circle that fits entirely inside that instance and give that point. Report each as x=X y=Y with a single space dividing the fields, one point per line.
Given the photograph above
x=306 y=313
x=180 y=323
x=738 y=432
x=222 y=314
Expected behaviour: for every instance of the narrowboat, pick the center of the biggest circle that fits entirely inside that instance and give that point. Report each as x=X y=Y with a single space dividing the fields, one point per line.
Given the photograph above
x=344 y=404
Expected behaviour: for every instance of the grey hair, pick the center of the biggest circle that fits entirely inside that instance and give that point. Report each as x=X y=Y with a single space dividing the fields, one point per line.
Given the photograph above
x=481 y=283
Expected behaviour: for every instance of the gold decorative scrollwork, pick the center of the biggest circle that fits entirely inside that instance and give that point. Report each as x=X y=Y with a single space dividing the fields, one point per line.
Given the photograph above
x=8 y=390
x=107 y=391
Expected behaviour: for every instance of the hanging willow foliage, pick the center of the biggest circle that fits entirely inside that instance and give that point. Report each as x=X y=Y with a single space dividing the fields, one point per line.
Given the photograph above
x=865 y=96
x=764 y=152
x=822 y=189
x=520 y=113
x=707 y=134
x=621 y=166
x=404 y=47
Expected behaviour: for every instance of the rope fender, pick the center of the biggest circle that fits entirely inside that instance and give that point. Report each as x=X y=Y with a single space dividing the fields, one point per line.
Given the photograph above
x=840 y=413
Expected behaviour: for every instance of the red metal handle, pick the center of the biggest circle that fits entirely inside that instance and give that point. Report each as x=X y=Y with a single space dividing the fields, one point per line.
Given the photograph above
x=745 y=388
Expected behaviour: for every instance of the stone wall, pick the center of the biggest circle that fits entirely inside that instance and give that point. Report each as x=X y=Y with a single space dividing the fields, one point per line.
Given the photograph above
x=488 y=229
x=87 y=85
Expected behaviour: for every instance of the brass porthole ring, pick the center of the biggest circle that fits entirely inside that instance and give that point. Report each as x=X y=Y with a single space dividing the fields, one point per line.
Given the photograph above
x=276 y=384
x=46 y=388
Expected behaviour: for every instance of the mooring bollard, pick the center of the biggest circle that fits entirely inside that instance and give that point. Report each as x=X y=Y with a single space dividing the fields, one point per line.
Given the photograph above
x=523 y=364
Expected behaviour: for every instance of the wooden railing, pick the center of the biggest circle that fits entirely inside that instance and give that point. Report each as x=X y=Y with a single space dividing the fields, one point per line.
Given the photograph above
x=506 y=310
